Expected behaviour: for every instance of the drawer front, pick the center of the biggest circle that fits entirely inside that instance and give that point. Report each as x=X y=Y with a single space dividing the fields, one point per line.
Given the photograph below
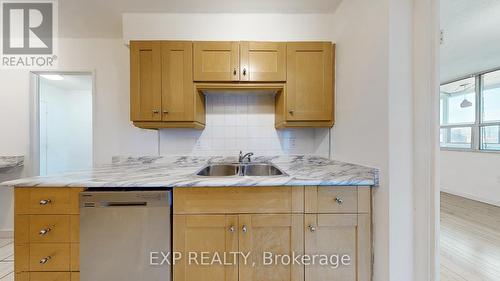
x=49 y=276
x=49 y=228
x=75 y=276
x=331 y=199
x=337 y=199
x=238 y=200
x=49 y=257
x=42 y=200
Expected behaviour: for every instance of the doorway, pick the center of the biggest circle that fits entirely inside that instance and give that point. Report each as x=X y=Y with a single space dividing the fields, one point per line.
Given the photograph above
x=62 y=134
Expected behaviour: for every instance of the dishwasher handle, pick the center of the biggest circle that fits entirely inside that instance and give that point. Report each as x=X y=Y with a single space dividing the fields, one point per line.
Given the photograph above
x=105 y=204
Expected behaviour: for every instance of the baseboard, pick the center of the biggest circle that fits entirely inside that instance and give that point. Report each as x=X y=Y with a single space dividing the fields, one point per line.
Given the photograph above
x=472 y=197
x=6 y=233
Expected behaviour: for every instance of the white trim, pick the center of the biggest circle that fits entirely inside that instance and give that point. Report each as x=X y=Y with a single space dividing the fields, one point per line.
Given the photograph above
x=471 y=197
x=426 y=139
x=6 y=234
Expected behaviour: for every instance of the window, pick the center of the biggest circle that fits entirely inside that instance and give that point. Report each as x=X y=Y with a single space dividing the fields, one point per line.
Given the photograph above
x=470 y=113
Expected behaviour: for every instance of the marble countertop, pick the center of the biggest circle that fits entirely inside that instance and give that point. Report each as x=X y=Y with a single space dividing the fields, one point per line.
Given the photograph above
x=7 y=162
x=179 y=171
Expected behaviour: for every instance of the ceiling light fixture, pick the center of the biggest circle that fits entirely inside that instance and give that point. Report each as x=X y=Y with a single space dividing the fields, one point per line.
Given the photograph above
x=56 y=77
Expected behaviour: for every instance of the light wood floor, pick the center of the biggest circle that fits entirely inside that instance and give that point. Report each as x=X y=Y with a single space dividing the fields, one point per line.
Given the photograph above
x=6 y=260
x=470 y=240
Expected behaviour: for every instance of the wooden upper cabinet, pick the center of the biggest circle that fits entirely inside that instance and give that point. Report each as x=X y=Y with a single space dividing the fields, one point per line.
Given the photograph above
x=309 y=88
x=262 y=61
x=162 y=93
x=216 y=61
x=145 y=81
x=177 y=81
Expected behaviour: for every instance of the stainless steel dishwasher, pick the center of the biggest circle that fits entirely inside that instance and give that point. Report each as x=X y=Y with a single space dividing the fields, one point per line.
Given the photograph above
x=119 y=230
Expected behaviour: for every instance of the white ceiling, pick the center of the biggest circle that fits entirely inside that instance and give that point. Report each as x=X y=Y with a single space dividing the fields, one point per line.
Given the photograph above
x=102 y=18
x=471 y=37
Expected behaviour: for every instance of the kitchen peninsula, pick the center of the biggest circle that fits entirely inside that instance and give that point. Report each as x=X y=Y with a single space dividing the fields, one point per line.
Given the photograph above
x=318 y=205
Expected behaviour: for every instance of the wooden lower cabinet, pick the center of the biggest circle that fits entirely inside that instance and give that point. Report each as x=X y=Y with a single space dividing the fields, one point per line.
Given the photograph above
x=344 y=238
x=204 y=233
x=46 y=234
x=265 y=237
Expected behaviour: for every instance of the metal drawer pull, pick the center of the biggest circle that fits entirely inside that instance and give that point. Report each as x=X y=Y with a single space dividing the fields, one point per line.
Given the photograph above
x=45 y=231
x=339 y=200
x=244 y=228
x=45 y=260
x=44 y=202
x=231 y=228
x=312 y=228
x=244 y=71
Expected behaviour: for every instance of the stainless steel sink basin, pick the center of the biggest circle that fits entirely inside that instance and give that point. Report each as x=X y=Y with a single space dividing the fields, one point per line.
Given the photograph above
x=261 y=170
x=239 y=170
x=219 y=170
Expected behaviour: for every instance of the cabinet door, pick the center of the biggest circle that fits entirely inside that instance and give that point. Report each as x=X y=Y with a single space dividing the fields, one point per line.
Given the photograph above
x=194 y=234
x=263 y=61
x=145 y=81
x=280 y=234
x=338 y=235
x=309 y=82
x=216 y=61
x=177 y=81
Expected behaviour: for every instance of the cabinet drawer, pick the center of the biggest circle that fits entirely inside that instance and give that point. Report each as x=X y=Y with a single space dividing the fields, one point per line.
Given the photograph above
x=332 y=199
x=46 y=200
x=49 y=228
x=238 y=200
x=49 y=257
x=50 y=276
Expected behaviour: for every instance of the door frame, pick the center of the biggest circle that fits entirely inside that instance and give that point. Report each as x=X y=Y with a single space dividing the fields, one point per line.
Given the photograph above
x=33 y=157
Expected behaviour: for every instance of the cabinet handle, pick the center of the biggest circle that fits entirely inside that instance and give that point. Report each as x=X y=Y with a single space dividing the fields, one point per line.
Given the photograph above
x=234 y=72
x=244 y=228
x=156 y=111
x=244 y=71
x=44 y=231
x=44 y=202
x=312 y=228
x=291 y=112
x=339 y=200
x=45 y=260
x=231 y=228
x=165 y=111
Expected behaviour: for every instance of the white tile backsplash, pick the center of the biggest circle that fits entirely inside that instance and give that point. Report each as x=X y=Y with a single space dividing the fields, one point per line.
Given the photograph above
x=245 y=122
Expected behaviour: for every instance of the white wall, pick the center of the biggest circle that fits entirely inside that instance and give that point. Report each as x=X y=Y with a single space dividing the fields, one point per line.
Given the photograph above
x=374 y=119
x=475 y=175
x=262 y=27
x=245 y=122
x=65 y=128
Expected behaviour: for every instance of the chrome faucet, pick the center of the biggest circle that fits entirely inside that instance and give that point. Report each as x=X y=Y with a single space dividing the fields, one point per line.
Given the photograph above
x=242 y=157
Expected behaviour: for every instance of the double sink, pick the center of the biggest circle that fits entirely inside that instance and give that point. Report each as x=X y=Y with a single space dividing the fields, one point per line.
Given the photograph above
x=240 y=169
